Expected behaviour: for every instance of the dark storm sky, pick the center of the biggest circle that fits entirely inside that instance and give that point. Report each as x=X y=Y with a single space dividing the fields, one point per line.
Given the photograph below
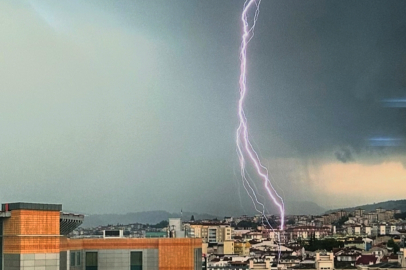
x=131 y=105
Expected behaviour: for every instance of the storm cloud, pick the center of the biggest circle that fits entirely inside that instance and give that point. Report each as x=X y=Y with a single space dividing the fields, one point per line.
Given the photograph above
x=119 y=106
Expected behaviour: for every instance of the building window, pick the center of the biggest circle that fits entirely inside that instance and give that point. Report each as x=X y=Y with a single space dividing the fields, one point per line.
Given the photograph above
x=91 y=260
x=197 y=259
x=72 y=258
x=78 y=258
x=136 y=260
x=75 y=258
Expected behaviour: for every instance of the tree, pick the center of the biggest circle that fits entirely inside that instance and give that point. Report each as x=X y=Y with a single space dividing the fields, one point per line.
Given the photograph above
x=400 y=215
x=339 y=223
x=311 y=242
x=327 y=244
x=299 y=241
x=160 y=225
x=247 y=224
x=393 y=245
x=291 y=221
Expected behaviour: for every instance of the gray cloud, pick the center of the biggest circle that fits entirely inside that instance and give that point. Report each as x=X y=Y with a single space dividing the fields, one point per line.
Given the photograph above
x=344 y=155
x=332 y=64
x=131 y=105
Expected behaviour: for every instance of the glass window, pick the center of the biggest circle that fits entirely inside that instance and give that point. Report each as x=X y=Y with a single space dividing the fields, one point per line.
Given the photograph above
x=91 y=261
x=136 y=260
x=78 y=258
x=72 y=258
x=198 y=259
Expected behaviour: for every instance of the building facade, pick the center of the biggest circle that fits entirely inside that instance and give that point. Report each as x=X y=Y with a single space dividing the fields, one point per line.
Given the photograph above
x=211 y=232
x=34 y=237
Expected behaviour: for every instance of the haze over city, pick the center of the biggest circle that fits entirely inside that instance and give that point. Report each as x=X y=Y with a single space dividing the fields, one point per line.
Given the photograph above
x=124 y=106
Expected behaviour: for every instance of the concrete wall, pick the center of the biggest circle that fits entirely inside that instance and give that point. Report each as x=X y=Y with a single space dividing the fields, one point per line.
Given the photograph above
x=119 y=259
x=11 y=261
x=48 y=261
x=109 y=259
x=197 y=259
x=63 y=260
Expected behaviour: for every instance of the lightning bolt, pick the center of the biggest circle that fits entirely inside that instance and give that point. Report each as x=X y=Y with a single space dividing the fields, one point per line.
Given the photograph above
x=245 y=150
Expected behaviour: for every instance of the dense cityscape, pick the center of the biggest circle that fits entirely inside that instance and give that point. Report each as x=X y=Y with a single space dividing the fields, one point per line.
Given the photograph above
x=337 y=240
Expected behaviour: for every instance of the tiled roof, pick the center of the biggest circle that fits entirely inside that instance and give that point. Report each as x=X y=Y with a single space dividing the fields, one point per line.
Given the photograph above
x=366 y=260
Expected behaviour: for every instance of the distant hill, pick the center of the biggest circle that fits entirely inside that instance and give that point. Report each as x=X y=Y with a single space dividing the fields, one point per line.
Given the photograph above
x=153 y=217
x=147 y=217
x=303 y=208
x=389 y=205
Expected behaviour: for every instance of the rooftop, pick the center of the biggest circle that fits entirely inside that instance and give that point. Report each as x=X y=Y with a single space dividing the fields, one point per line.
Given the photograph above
x=30 y=206
x=385 y=265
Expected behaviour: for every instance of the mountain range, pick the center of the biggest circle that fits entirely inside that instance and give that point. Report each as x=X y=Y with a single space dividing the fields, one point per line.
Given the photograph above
x=292 y=208
x=388 y=205
x=146 y=217
x=153 y=217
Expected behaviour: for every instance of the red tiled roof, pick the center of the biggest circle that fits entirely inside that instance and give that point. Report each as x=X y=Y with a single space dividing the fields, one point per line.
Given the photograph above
x=366 y=260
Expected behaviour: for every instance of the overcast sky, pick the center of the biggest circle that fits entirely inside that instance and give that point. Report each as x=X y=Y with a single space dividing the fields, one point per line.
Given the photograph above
x=129 y=105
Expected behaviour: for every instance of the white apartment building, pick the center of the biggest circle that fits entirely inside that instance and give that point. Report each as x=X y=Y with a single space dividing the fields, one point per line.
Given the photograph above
x=367 y=230
x=324 y=261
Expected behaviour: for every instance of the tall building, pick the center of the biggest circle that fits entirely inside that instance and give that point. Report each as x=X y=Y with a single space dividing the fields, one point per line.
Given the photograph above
x=359 y=212
x=342 y=213
x=34 y=237
x=175 y=228
x=211 y=232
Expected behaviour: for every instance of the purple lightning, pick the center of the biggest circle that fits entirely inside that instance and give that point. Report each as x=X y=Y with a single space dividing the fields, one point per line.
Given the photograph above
x=245 y=149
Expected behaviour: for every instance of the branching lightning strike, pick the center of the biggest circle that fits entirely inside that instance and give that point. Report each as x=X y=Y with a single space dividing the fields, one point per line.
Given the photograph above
x=245 y=150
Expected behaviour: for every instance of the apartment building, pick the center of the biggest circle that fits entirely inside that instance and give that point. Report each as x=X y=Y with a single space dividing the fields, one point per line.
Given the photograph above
x=354 y=229
x=324 y=261
x=304 y=232
x=359 y=212
x=367 y=230
x=211 y=232
x=242 y=248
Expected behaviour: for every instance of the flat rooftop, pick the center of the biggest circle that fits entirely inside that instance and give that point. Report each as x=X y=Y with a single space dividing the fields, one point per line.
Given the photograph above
x=30 y=206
